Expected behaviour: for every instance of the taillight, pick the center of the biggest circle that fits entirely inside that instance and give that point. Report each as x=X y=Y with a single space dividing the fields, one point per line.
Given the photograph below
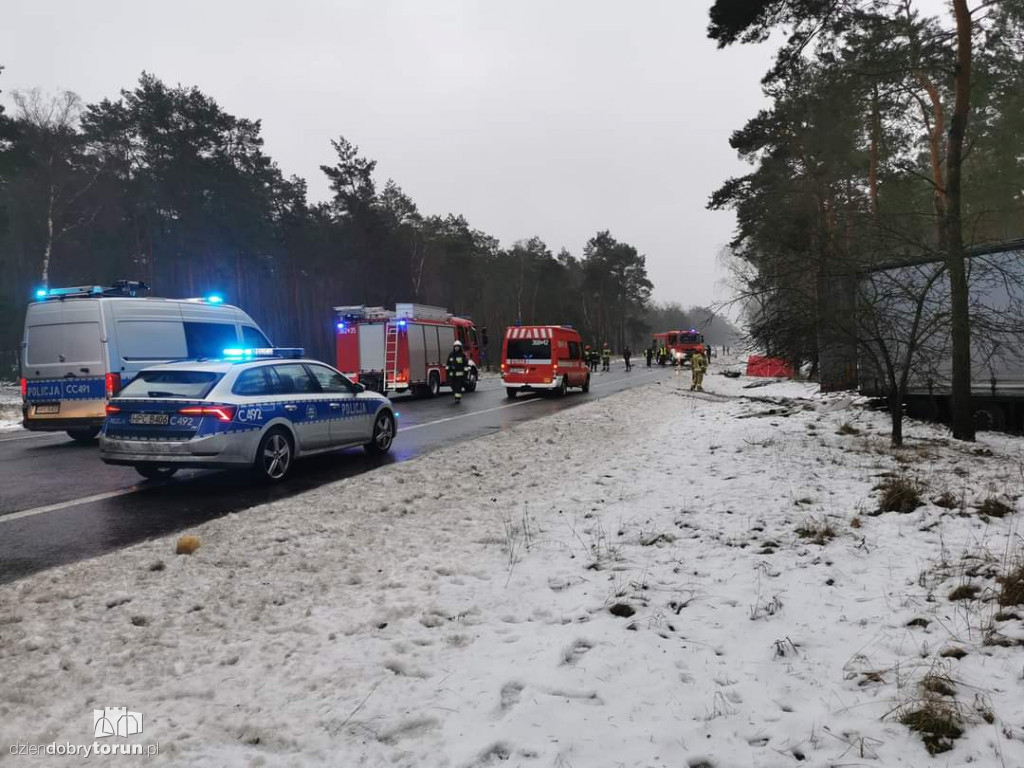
x=112 y=409
x=219 y=412
x=24 y=388
x=113 y=381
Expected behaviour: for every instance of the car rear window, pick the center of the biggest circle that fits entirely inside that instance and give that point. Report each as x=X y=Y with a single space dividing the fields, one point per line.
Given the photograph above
x=528 y=349
x=193 y=385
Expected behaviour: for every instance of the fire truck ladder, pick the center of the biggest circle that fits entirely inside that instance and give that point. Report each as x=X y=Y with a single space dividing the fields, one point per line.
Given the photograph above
x=390 y=355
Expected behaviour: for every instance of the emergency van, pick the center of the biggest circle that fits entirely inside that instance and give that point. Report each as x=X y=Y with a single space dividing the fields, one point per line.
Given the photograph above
x=681 y=345
x=82 y=344
x=405 y=349
x=545 y=358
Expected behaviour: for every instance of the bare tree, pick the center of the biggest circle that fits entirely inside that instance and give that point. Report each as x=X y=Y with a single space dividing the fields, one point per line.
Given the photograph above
x=52 y=125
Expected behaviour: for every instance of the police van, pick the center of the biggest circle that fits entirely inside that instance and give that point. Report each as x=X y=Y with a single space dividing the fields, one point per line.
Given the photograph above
x=83 y=344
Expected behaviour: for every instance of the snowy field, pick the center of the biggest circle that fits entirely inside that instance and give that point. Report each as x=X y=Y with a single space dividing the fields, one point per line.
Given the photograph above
x=658 y=578
x=10 y=405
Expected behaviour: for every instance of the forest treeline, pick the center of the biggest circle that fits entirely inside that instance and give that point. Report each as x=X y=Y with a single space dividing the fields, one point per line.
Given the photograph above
x=162 y=185
x=891 y=135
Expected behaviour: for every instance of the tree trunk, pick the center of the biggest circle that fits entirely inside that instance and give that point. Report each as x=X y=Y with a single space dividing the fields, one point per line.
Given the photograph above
x=963 y=425
x=896 y=415
x=876 y=131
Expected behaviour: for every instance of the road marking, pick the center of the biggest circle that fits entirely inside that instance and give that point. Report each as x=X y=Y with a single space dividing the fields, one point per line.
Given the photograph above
x=133 y=489
x=31 y=437
x=68 y=503
x=509 y=405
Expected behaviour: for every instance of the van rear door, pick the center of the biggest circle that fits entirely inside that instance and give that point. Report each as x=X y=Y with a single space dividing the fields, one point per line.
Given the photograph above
x=63 y=360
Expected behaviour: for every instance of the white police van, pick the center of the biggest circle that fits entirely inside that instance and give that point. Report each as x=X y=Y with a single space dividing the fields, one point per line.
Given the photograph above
x=83 y=344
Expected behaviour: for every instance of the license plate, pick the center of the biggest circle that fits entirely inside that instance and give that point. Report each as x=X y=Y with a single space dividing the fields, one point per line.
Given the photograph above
x=47 y=408
x=150 y=419
x=517 y=370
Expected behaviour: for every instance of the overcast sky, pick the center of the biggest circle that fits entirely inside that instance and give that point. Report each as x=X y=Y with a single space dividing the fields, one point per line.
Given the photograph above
x=554 y=119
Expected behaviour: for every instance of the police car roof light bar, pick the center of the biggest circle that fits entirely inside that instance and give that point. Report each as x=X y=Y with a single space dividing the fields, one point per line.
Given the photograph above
x=237 y=354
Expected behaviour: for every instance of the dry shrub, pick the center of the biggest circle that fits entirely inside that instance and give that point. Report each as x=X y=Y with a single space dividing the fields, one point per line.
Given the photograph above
x=818 y=532
x=965 y=592
x=1011 y=590
x=900 y=494
x=847 y=429
x=937 y=720
x=946 y=500
x=187 y=545
x=993 y=507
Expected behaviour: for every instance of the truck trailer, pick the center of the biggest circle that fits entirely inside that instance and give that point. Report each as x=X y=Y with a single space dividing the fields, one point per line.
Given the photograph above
x=888 y=299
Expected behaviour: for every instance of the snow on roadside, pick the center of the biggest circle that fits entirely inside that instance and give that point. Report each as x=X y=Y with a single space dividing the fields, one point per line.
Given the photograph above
x=10 y=406
x=618 y=584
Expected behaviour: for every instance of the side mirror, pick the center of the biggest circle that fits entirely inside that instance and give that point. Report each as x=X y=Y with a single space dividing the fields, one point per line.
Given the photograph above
x=357 y=388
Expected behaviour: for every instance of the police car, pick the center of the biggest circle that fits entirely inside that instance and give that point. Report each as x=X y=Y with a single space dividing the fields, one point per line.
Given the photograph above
x=260 y=408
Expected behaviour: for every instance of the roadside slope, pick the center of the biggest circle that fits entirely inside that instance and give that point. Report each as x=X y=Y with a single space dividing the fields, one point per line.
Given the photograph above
x=630 y=582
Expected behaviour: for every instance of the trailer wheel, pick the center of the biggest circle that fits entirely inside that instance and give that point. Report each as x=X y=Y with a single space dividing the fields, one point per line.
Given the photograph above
x=433 y=385
x=511 y=392
x=990 y=417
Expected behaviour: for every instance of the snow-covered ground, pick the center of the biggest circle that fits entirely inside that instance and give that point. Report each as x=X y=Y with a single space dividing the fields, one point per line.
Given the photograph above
x=10 y=405
x=632 y=582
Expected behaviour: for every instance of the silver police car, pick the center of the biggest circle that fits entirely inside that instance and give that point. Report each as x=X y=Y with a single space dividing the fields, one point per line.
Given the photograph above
x=260 y=408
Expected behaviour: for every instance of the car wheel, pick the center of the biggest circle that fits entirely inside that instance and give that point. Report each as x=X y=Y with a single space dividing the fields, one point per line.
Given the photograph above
x=433 y=385
x=511 y=393
x=86 y=435
x=155 y=472
x=563 y=387
x=471 y=381
x=586 y=384
x=275 y=455
x=383 y=434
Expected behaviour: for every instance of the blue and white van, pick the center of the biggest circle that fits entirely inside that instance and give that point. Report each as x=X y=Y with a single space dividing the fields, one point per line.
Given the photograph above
x=82 y=344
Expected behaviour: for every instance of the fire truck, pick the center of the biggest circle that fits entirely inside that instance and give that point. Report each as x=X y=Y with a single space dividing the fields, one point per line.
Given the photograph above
x=405 y=349
x=681 y=345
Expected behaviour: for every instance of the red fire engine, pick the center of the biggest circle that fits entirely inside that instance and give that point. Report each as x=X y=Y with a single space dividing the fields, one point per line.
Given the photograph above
x=681 y=345
x=405 y=349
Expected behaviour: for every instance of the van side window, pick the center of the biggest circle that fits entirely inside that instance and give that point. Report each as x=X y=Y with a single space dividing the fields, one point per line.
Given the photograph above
x=209 y=339
x=574 y=350
x=252 y=383
x=253 y=339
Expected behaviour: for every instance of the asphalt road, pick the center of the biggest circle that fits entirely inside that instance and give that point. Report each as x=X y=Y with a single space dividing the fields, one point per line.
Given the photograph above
x=59 y=503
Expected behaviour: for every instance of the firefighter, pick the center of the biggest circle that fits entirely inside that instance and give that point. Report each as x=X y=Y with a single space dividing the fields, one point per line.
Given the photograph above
x=606 y=357
x=649 y=355
x=699 y=364
x=595 y=357
x=588 y=357
x=627 y=353
x=457 y=366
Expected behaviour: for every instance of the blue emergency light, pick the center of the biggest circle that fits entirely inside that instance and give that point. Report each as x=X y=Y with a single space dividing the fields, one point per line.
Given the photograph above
x=341 y=327
x=237 y=354
x=401 y=323
x=41 y=293
x=214 y=298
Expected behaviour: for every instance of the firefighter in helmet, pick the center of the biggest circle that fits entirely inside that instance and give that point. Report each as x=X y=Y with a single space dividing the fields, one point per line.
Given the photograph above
x=606 y=357
x=698 y=365
x=649 y=354
x=457 y=367
x=588 y=356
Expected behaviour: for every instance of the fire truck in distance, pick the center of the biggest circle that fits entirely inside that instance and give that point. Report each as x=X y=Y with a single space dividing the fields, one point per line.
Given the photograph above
x=681 y=345
x=405 y=349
